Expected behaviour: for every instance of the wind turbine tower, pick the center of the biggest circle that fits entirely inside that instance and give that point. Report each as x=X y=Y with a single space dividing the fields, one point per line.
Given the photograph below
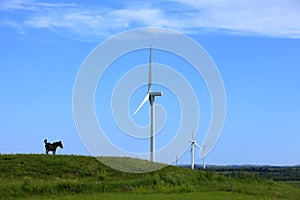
x=151 y=97
x=204 y=156
x=193 y=144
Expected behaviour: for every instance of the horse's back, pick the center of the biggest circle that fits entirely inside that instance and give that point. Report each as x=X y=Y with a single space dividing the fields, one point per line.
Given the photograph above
x=49 y=147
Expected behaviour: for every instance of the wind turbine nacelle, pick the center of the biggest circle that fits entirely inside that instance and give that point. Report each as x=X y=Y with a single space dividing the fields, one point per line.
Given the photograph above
x=155 y=93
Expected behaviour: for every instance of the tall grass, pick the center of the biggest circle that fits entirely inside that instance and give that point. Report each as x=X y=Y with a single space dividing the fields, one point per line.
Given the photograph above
x=43 y=175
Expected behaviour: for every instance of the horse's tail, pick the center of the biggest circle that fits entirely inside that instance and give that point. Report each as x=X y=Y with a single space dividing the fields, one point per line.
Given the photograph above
x=45 y=140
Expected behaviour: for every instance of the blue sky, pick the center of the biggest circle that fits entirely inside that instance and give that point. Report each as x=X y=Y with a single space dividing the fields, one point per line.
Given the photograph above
x=255 y=45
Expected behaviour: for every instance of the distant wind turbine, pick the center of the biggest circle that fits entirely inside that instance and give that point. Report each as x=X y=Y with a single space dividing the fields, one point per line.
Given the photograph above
x=151 y=97
x=204 y=164
x=193 y=144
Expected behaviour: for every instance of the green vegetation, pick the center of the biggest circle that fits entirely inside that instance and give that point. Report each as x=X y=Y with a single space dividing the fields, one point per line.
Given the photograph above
x=290 y=174
x=131 y=164
x=81 y=177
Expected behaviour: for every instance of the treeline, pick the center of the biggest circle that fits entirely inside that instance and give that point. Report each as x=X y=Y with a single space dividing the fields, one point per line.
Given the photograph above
x=276 y=173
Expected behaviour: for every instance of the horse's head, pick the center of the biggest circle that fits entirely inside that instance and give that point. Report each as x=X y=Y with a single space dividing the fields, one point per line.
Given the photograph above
x=60 y=144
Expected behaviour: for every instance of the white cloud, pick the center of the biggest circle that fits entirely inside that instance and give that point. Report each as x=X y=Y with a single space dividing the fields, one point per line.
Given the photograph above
x=264 y=17
x=30 y=5
x=270 y=18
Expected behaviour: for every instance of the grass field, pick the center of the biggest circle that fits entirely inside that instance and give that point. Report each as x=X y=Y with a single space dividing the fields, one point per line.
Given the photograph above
x=170 y=196
x=80 y=177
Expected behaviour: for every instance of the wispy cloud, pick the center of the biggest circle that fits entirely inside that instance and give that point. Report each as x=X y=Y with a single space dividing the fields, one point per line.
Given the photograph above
x=269 y=18
x=32 y=5
x=264 y=17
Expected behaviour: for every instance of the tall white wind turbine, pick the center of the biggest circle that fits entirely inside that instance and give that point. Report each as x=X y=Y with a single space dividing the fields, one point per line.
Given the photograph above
x=193 y=144
x=151 y=97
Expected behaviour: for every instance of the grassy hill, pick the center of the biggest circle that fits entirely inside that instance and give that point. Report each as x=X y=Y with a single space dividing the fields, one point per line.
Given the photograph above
x=80 y=177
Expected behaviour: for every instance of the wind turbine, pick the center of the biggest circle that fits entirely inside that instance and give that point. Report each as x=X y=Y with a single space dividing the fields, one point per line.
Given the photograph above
x=151 y=97
x=204 y=165
x=193 y=144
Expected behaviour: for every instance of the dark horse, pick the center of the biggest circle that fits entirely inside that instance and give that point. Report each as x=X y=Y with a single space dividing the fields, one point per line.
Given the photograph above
x=52 y=147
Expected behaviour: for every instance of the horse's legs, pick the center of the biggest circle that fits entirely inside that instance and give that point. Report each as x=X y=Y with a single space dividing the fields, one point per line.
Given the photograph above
x=54 y=152
x=47 y=151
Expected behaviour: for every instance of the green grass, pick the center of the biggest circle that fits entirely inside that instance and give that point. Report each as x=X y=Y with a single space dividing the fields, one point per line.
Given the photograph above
x=172 y=196
x=131 y=164
x=81 y=177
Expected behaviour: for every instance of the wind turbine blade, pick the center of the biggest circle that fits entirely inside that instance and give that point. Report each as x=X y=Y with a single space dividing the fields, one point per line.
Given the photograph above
x=197 y=145
x=193 y=136
x=193 y=133
x=143 y=102
x=150 y=71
